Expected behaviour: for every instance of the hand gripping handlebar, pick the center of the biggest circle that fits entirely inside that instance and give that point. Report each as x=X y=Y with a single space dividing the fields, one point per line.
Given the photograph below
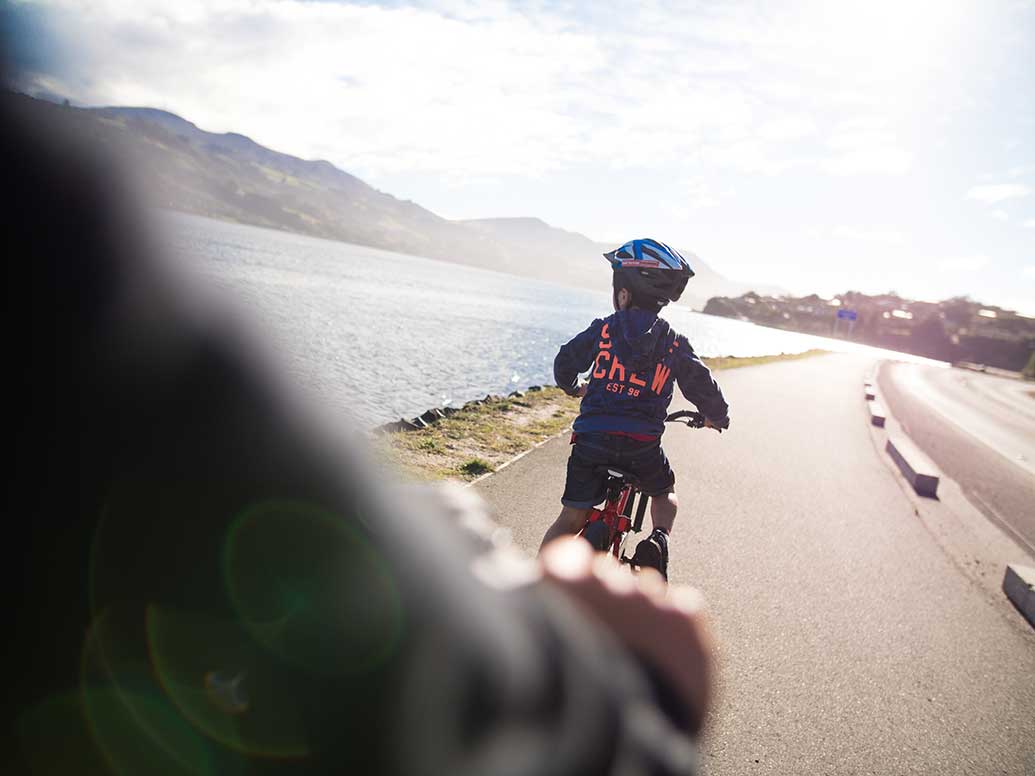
x=689 y=417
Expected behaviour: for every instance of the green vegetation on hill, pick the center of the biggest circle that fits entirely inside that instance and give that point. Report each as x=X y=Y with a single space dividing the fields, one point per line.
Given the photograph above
x=1029 y=370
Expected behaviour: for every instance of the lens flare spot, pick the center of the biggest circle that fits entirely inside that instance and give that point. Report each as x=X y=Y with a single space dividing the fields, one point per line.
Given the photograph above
x=226 y=693
x=226 y=684
x=308 y=585
x=129 y=717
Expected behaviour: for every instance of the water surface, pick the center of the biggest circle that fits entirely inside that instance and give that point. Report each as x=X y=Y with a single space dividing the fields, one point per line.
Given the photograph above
x=381 y=335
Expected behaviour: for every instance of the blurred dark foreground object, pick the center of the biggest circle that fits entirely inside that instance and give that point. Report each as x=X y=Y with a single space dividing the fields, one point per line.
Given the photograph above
x=206 y=579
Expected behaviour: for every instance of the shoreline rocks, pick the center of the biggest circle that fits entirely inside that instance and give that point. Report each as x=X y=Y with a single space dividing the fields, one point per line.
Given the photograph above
x=435 y=414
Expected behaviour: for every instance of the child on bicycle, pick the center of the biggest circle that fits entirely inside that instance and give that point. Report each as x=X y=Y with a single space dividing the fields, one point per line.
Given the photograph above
x=636 y=359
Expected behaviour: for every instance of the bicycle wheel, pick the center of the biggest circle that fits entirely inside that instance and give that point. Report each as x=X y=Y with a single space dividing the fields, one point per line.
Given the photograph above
x=597 y=534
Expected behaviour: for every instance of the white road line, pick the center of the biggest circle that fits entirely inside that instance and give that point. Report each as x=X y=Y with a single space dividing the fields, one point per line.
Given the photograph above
x=1001 y=522
x=1011 y=443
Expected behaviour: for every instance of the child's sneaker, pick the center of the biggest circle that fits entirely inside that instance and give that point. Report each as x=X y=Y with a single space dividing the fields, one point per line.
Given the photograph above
x=652 y=552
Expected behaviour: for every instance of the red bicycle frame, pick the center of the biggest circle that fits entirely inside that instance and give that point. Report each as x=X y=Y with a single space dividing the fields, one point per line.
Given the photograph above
x=616 y=514
x=622 y=490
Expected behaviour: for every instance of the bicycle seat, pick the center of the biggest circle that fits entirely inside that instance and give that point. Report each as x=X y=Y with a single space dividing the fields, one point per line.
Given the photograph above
x=612 y=471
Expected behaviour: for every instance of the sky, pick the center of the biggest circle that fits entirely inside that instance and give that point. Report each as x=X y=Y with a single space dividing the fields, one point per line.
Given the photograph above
x=820 y=146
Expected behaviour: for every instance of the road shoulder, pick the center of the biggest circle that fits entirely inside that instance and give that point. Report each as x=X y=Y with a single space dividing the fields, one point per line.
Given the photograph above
x=978 y=547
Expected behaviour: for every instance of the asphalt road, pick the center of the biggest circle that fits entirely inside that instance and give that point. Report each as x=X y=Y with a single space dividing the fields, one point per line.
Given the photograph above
x=849 y=641
x=978 y=428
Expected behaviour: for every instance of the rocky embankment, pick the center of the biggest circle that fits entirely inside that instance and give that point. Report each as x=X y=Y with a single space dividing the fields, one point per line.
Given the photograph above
x=436 y=414
x=465 y=442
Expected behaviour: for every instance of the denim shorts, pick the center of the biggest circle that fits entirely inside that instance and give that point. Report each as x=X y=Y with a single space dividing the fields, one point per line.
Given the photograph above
x=585 y=487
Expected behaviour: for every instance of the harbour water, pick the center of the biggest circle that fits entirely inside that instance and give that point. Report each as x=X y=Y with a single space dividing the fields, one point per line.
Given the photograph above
x=380 y=335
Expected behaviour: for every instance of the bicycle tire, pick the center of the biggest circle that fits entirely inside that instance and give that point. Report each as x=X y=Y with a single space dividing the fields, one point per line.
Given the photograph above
x=641 y=508
x=628 y=510
x=597 y=534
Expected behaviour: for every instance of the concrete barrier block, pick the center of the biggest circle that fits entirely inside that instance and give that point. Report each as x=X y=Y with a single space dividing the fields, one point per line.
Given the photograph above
x=1019 y=586
x=915 y=466
x=878 y=414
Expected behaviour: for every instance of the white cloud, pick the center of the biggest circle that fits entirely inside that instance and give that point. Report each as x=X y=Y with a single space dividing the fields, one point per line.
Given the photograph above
x=696 y=194
x=875 y=161
x=374 y=89
x=1000 y=215
x=748 y=156
x=1029 y=224
x=998 y=192
x=1017 y=171
x=870 y=235
x=456 y=88
x=1030 y=270
x=787 y=128
x=964 y=264
x=866 y=145
x=700 y=195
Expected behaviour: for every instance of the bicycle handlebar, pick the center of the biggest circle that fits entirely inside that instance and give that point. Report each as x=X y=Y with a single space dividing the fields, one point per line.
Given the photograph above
x=691 y=418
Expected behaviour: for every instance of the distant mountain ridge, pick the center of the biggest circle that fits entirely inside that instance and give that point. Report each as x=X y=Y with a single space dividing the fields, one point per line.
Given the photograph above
x=231 y=177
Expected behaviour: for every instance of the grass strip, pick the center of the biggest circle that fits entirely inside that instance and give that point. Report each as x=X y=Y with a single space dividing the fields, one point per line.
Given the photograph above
x=479 y=438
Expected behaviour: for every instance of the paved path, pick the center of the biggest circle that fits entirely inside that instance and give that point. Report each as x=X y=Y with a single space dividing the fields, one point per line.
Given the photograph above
x=850 y=641
x=978 y=428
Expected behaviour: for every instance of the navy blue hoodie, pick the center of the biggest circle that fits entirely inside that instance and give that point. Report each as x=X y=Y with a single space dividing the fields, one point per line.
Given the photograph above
x=636 y=360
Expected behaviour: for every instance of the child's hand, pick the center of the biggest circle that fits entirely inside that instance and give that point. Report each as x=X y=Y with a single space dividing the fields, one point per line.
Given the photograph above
x=709 y=424
x=581 y=390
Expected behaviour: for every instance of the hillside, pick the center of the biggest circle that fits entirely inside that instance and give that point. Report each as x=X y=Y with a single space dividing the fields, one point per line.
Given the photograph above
x=231 y=177
x=958 y=329
x=572 y=257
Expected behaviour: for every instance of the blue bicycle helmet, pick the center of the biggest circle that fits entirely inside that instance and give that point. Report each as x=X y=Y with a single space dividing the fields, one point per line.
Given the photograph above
x=654 y=273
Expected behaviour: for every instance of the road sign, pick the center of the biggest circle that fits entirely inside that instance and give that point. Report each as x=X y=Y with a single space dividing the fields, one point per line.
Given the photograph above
x=848 y=315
